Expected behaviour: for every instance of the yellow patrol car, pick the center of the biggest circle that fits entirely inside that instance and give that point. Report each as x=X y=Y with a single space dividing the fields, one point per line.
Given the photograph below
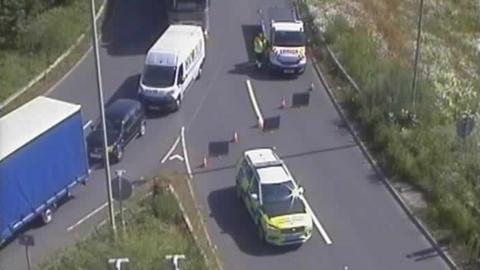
x=272 y=198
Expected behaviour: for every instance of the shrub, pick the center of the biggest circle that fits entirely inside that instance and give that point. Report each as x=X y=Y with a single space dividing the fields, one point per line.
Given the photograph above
x=39 y=40
x=419 y=147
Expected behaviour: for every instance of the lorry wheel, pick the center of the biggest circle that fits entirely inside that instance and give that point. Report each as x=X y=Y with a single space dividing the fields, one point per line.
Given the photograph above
x=47 y=215
x=143 y=129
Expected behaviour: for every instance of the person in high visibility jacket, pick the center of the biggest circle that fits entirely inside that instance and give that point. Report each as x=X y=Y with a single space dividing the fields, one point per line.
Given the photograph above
x=259 y=47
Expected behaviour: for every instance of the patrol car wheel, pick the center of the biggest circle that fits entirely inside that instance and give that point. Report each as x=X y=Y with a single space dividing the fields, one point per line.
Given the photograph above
x=261 y=232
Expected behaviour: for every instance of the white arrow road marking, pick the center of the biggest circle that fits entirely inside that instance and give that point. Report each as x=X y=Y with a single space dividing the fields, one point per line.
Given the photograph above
x=176 y=157
x=171 y=150
x=185 y=153
x=317 y=223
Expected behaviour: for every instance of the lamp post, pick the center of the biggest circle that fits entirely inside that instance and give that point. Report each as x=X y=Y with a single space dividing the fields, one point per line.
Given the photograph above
x=417 y=55
x=106 y=160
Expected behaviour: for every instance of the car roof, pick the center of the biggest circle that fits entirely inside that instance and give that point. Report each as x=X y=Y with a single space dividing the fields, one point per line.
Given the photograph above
x=273 y=175
x=120 y=107
x=262 y=157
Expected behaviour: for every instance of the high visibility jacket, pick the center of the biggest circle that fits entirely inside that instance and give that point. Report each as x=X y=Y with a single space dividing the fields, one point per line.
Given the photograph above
x=258 y=45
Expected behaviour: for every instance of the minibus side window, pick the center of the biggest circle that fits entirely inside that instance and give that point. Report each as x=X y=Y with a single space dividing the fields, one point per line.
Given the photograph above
x=180 y=75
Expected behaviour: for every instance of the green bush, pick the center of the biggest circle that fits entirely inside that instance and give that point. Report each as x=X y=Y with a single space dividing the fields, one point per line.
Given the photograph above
x=39 y=41
x=420 y=148
x=151 y=234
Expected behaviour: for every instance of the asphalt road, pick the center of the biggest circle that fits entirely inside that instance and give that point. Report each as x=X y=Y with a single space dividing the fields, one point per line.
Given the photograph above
x=368 y=229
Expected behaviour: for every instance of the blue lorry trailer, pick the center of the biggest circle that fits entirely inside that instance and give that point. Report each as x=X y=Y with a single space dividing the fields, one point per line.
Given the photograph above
x=42 y=157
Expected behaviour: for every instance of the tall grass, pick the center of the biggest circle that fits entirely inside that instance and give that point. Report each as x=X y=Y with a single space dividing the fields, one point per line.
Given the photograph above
x=154 y=230
x=40 y=42
x=413 y=144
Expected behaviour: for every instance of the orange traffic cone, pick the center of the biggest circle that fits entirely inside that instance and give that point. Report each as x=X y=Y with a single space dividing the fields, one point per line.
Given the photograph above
x=235 y=138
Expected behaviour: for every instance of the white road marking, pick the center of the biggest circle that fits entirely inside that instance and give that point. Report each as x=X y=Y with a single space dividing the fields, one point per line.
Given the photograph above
x=253 y=99
x=185 y=153
x=176 y=157
x=317 y=223
x=171 y=150
x=87 y=217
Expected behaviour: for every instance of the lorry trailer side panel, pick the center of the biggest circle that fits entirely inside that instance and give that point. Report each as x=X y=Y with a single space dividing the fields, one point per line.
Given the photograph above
x=39 y=173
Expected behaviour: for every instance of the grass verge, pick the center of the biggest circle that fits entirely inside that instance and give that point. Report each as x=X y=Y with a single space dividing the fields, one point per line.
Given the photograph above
x=155 y=228
x=22 y=65
x=417 y=144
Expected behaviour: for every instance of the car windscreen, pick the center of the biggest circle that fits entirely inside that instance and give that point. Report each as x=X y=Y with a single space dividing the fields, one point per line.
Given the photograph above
x=158 y=76
x=188 y=5
x=288 y=39
x=277 y=192
x=113 y=124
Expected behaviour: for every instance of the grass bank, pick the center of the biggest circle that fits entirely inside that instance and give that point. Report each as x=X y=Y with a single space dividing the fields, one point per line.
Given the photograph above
x=155 y=228
x=414 y=142
x=39 y=43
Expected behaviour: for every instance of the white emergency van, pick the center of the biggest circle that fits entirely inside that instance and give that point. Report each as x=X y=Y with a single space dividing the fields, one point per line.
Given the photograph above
x=171 y=65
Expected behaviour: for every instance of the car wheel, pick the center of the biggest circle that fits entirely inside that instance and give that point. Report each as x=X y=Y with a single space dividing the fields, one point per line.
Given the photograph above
x=118 y=154
x=178 y=103
x=238 y=192
x=47 y=215
x=143 y=129
x=199 y=74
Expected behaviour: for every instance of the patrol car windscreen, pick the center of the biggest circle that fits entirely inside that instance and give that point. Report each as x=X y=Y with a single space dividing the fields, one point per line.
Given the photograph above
x=277 y=192
x=158 y=76
x=288 y=39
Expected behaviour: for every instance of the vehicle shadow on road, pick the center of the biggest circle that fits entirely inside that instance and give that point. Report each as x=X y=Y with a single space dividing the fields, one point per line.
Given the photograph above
x=234 y=220
x=128 y=89
x=131 y=27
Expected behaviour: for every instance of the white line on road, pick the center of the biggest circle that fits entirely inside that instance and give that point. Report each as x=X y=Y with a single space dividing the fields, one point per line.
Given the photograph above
x=185 y=153
x=87 y=217
x=256 y=108
x=171 y=150
x=317 y=223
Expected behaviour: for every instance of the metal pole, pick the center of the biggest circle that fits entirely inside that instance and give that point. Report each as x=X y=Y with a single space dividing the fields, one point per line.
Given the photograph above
x=120 y=173
x=102 y=117
x=417 y=54
x=207 y=17
x=29 y=267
